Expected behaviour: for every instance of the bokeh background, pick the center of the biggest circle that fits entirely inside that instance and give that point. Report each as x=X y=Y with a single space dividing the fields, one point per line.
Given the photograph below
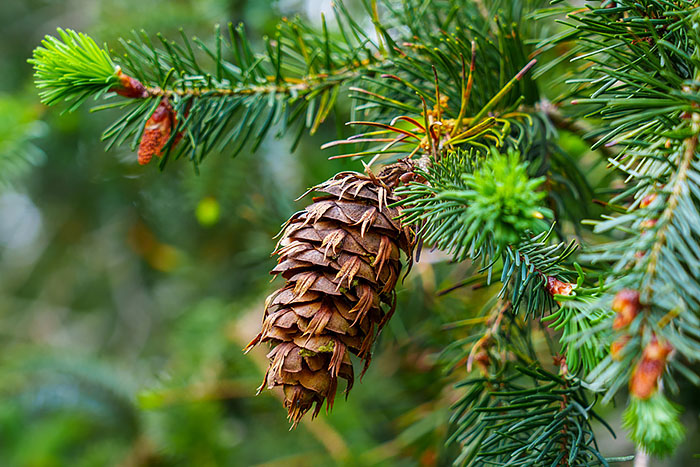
x=127 y=294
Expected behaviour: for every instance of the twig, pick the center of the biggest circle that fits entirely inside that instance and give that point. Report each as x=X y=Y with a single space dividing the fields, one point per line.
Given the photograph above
x=289 y=86
x=666 y=218
x=641 y=458
x=573 y=126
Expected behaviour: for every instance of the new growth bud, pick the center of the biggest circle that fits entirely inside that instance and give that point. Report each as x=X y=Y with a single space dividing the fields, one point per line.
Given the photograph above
x=647 y=200
x=645 y=379
x=557 y=287
x=626 y=304
x=617 y=347
x=130 y=87
x=647 y=224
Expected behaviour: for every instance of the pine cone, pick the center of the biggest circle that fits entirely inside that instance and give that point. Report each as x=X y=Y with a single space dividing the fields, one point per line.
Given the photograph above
x=341 y=261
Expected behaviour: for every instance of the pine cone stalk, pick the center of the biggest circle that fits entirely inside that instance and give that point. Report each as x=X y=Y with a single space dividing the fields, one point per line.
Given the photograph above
x=341 y=261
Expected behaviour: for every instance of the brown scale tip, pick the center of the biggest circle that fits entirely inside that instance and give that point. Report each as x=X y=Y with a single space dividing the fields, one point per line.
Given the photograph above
x=299 y=400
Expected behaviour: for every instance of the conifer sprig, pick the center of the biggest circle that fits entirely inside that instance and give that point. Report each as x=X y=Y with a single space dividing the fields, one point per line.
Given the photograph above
x=473 y=207
x=72 y=67
x=528 y=416
x=296 y=82
x=640 y=81
x=219 y=95
x=517 y=412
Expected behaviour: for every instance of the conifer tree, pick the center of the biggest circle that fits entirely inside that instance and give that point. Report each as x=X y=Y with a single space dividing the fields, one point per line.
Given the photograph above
x=458 y=109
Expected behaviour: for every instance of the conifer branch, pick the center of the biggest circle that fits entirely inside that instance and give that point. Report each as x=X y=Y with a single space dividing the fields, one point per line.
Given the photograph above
x=666 y=218
x=20 y=128
x=516 y=412
x=168 y=89
x=446 y=90
x=643 y=76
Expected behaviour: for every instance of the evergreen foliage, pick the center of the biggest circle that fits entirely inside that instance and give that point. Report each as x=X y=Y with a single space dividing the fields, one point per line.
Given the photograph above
x=654 y=424
x=452 y=90
x=522 y=418
x=20 y=127
x=463 y=210
x=72 y=68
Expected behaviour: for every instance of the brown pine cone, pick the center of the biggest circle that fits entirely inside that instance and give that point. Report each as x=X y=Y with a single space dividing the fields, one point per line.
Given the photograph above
x=341 y=261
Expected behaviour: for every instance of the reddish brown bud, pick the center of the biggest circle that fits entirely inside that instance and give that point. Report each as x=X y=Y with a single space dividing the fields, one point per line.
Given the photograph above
x=557 y=287
x=130 y=87
x=483 y=361
x=407 y=177
x=157 y=132
x=647 y=200
x=617 y=347
x=560 y=361
x=647 y=224
x=645 y=379
x=626 y=305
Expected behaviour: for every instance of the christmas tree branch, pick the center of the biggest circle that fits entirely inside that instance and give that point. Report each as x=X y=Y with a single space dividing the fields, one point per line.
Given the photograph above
x=516 y=411
x=666 y=218
x=642 y=87
x=296 y=82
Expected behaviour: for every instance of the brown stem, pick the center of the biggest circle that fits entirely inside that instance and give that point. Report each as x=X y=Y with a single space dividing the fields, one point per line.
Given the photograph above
x=574 y=126
x=131 y=87
x=666 y=218
x=641 y=458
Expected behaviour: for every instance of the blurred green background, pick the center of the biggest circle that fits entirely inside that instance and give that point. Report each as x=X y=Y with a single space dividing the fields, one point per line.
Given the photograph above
x=126 y=294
